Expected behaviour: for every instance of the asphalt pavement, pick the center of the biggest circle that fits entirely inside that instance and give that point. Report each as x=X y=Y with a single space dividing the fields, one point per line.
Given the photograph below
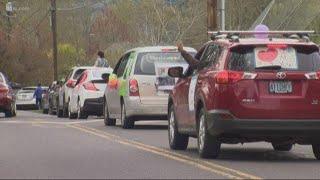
x=34 y=145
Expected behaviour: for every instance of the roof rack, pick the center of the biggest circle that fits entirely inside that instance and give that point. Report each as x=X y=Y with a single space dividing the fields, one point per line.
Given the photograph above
x=233 y=36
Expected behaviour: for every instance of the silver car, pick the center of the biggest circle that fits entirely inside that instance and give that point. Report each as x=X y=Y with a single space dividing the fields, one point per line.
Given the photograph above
x=139 y=85
x=25 y=97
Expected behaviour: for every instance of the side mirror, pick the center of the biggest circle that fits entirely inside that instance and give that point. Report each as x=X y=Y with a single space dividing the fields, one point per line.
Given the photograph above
x=175 y=72
x=70 y=83
x=105 y=77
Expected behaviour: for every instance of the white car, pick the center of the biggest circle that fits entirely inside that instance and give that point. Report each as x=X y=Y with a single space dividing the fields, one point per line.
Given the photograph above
x=86 y=97
x=25 y=99
x=66 y=89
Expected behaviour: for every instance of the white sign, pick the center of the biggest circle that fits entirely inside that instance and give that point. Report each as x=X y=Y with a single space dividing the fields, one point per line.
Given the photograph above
x=192 y=91
x=163 y=80
x=9 y=7
x=286 y=58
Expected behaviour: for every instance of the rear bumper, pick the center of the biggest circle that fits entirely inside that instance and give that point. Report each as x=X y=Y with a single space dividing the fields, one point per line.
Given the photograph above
x=222 y=122
x=93 y=106
x=138 y=111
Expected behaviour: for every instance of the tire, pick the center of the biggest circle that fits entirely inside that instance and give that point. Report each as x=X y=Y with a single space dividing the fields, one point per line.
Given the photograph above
x=208 y=145
x=316 y=150
x=45 y=111
x=72 y=115
x=126 y=122
x=107 y=120
x=12 y=111
x=177 y=141
x=81 y=114
x=282 y=147
x=59 y=111
x=65 y=110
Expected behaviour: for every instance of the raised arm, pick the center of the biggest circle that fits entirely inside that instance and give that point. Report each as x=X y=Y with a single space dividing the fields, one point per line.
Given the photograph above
x=193 y=62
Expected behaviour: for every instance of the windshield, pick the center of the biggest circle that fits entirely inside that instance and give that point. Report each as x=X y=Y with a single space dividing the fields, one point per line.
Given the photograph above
x=145 y=64
x=294 y=58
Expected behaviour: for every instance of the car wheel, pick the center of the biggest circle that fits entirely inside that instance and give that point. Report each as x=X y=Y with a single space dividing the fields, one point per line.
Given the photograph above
x=14 y=110
x=11 y=111
x=107 y=120
x=81 y=113
x=71 y=114
x=208 y=145
x=59 y=111
x=282 y=147
x=65 y=109
x=177 y=141
x=126 y=122
x=316 y=150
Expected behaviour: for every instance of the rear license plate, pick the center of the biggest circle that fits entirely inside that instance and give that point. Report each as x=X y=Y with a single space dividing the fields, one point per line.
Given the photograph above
x=280 y=87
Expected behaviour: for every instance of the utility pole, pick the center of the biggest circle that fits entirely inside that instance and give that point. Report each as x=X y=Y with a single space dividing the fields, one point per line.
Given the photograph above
x=53 y=10
x=212 y=15
x=216 y=15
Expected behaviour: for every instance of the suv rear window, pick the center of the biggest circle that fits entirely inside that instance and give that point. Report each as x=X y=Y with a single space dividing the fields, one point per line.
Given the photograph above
x=78 y=73
x=295 y=58
x=145 y=64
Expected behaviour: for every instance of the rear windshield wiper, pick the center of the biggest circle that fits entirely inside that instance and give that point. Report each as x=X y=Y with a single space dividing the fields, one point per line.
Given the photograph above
x=275 y=67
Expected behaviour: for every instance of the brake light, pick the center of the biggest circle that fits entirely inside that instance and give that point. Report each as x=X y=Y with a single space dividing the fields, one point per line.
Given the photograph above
x=228 y=77
x=313 y=75
x=90 y=86
x=277 y=46
x=3 y=88
x=70 y=83
x=133 y=88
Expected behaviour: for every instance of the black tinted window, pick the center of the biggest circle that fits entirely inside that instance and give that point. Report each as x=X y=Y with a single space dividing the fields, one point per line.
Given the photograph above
x=145 y=64
x=78 y=73
x=243 y=58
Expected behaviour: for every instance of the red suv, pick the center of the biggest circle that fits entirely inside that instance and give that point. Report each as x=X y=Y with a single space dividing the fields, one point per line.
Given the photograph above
x=7 y=97
x=248 y=90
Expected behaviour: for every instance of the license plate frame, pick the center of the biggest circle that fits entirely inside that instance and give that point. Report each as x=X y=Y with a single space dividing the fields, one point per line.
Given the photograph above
x=280 y=87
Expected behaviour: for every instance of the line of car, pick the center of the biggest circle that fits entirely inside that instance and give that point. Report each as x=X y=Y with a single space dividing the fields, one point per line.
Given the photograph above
x=243 y=91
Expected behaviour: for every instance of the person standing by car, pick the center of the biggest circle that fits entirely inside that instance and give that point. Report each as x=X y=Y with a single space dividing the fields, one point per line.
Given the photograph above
x=101 y=61
x=38 y=95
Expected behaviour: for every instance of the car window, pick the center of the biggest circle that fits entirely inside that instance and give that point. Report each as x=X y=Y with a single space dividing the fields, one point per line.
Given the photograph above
x=294 y=58
x=82 y=78
x=210 y=56
x=145 y=64
x=123 y=65
x=78 y=73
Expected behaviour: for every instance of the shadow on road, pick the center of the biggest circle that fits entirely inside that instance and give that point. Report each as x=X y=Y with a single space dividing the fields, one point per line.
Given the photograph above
x=257 y=154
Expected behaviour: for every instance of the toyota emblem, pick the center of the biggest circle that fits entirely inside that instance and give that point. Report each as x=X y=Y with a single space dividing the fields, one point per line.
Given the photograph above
x=281 y=75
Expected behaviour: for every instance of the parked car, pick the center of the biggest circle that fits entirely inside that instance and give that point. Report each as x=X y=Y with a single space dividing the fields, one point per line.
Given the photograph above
x=248 y=90
x=139 y=85
x=7 y=97
x=66 y=89
x=51 y=97
x=87 y=96
x=25 y=99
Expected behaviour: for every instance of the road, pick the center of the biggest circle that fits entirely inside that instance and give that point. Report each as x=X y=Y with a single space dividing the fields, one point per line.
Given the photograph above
x=34 y=145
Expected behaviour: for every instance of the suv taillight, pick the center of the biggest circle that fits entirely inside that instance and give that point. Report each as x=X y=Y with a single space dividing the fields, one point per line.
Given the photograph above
x=133 y=88
x=228 y=77
x=90 y=86
x=313 y=75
